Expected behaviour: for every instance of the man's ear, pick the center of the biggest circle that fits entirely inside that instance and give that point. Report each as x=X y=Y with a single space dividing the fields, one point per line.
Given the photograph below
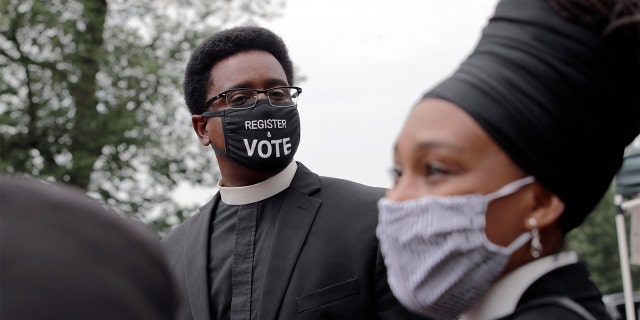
x=200 y=126
x=548 y=208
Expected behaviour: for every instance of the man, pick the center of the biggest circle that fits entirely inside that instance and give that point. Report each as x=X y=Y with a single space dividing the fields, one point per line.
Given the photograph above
x=64 y=256
x=277 y=241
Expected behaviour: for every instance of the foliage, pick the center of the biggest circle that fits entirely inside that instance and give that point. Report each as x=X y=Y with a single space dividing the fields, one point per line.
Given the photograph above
x=90 y=95
x=597 y=245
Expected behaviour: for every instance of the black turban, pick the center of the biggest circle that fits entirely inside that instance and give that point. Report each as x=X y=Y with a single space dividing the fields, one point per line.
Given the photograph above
x=558 y=96
x=63 y=256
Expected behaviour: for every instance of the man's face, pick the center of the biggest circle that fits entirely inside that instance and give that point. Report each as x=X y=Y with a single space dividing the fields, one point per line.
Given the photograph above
x=250 y=69
x=258 y=70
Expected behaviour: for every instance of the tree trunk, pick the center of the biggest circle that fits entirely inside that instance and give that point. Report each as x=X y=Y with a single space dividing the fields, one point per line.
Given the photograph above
x=86 y=127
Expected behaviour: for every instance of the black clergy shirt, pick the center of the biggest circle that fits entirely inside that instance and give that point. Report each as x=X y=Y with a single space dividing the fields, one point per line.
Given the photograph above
x=223 y=243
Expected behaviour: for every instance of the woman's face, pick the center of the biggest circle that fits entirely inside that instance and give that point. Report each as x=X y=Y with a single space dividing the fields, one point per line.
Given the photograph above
x=442 y=151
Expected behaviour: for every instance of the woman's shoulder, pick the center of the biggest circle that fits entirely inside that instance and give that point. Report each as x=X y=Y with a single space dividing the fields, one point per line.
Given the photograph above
x=564 y=293
x=552 y=307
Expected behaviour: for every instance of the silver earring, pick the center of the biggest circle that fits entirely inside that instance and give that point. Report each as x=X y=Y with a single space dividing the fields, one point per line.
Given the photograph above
x=536 y=246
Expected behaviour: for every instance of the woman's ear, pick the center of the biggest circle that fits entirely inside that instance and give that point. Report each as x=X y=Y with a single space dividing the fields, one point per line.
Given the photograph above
x=548 y=208
x=200 y=126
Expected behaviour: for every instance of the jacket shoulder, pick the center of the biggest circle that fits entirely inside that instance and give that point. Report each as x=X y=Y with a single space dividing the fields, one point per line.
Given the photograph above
x=350 y=188
x=179 y=233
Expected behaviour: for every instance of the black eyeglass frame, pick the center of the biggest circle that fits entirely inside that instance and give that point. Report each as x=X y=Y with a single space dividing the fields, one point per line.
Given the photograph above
x=225 y=93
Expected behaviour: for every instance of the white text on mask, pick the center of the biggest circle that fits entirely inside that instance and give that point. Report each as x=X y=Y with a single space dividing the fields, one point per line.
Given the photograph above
x=266 y=124
x=265 y=148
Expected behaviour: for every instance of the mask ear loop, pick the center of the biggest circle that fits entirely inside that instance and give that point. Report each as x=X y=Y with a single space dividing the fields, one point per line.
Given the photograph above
x=509 y=188
x=536 y=247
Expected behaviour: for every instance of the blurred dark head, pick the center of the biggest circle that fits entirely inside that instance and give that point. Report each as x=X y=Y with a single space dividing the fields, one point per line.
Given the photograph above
x=224 y=44
x=65 y=256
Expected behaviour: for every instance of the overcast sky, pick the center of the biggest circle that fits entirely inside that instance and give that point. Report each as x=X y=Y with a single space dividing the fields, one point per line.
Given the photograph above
x=366 y=63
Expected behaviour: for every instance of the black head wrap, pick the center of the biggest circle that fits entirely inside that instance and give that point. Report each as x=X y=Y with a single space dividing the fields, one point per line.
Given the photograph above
x=64 y=256
x=560 y=98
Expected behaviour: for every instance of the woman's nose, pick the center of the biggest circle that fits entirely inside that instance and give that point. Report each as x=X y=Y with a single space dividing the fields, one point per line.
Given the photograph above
x=404 y=189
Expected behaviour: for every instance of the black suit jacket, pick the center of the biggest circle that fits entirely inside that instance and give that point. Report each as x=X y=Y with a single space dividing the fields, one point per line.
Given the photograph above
x=324 y=261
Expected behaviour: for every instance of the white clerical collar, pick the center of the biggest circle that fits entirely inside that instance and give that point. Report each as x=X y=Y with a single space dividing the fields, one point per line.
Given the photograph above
x=259 y=191
x=502 y=299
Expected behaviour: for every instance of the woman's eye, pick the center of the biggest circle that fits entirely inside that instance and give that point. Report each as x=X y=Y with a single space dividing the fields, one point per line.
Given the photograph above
x=396 y=173
x=432 y=170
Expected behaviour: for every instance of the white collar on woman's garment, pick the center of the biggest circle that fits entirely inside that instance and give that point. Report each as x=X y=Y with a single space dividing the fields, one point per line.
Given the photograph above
x=502 y=299
x=261 y=190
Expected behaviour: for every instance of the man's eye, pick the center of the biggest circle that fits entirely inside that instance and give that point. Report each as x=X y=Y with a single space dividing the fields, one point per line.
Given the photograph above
x=277 y=94
x=238 y=98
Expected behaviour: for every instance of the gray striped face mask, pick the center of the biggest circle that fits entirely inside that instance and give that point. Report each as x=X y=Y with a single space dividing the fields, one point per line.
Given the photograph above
x=439 y=260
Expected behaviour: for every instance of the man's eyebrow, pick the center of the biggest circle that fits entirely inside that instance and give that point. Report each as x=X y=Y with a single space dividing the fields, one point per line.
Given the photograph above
x=276 y=82
x=270 y=83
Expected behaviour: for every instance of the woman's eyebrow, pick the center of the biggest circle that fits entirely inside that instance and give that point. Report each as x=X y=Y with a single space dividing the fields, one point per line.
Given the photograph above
x=428 y=145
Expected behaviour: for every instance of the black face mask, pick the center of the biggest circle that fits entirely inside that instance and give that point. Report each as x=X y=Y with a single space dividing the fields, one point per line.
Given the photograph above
x=263 y=138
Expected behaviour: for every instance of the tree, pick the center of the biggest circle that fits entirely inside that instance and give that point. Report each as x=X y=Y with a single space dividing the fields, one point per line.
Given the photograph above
x=90 y=95
x=597 y=244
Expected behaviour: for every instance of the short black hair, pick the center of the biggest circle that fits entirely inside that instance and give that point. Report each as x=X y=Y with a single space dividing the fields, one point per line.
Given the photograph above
x=224 y=44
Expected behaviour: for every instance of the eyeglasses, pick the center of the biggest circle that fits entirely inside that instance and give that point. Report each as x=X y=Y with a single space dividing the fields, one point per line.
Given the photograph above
x=247 y=98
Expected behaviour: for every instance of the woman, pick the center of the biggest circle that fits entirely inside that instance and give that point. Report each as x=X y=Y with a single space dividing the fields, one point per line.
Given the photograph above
x=497 y=163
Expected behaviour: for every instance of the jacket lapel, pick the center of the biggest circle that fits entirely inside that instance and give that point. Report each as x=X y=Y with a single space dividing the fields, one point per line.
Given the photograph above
x=294 y=221
x=196 y=246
